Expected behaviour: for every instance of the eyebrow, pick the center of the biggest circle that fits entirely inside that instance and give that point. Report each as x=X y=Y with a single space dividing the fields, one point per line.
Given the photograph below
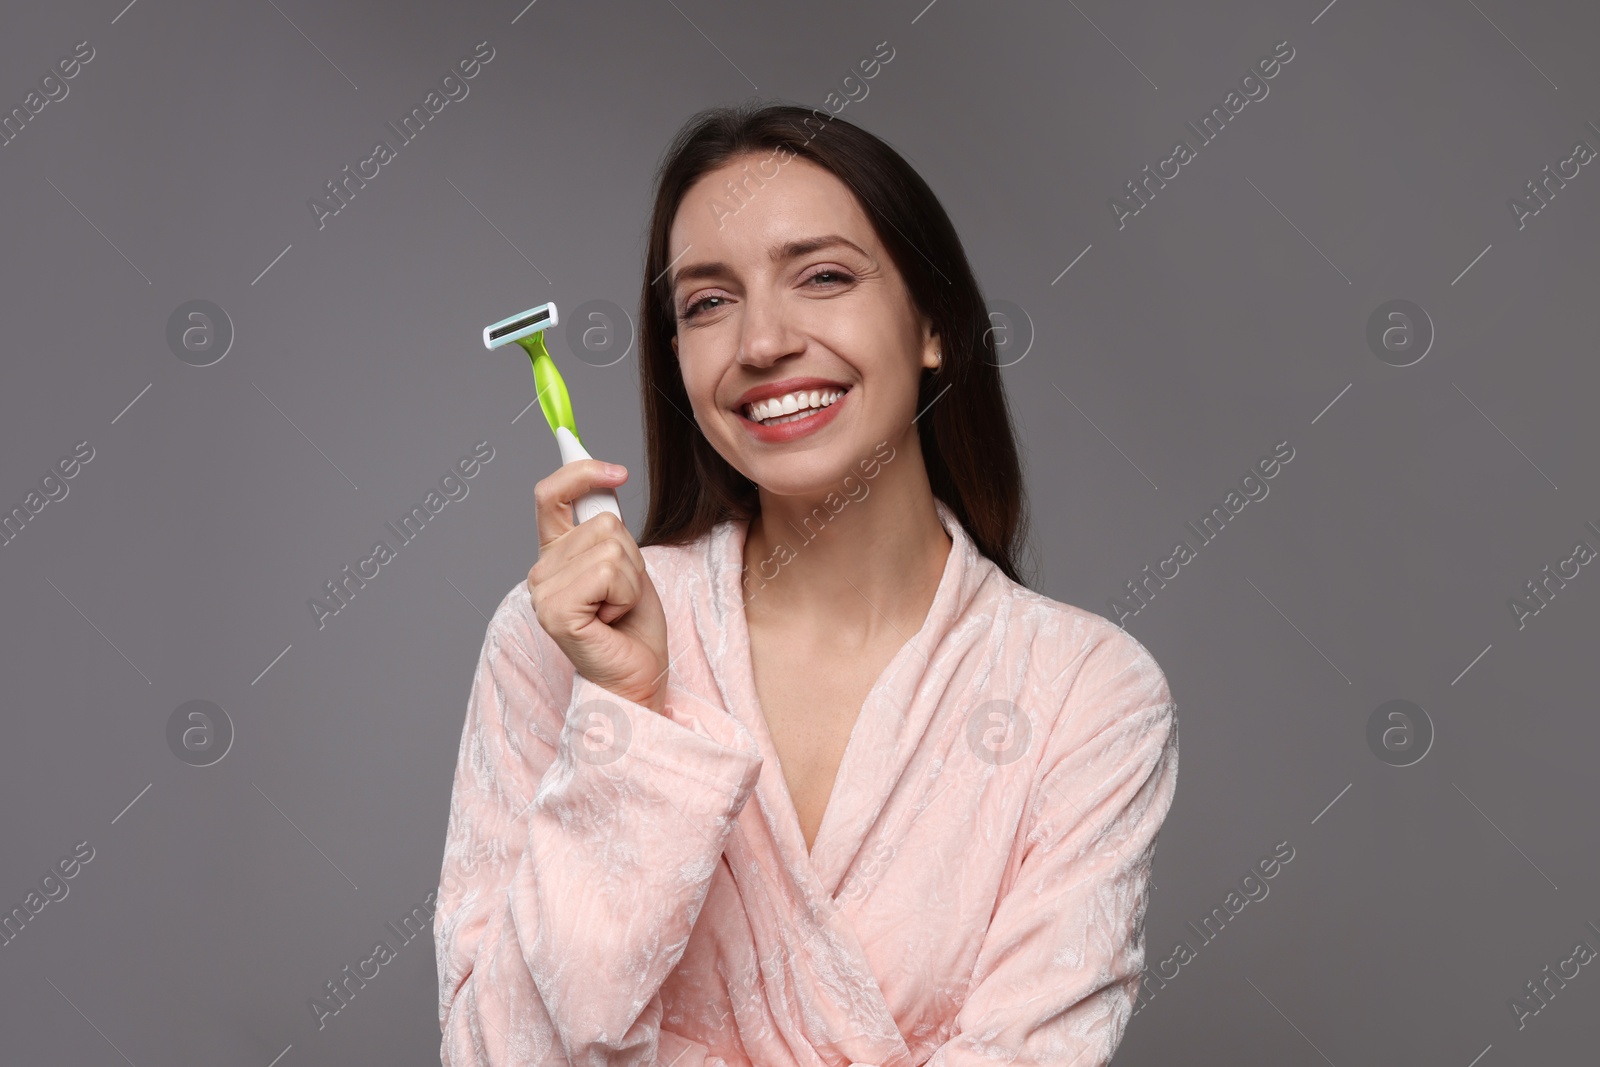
x=777 y=253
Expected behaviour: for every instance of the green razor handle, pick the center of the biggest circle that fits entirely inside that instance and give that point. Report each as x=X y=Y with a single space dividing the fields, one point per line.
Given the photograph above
x=527 y=329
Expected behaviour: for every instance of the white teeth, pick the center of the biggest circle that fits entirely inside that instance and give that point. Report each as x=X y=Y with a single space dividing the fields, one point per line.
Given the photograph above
x=778 y=407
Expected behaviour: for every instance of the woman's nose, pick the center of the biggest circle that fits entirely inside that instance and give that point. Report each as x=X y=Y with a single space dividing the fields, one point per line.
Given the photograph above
x=765 y=332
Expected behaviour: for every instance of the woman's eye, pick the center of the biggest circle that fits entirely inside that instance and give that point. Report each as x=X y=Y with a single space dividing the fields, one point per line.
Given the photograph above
x=823 y=277
x=691 y=310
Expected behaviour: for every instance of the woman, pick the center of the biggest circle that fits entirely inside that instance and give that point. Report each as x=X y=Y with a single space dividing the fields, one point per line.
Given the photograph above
x=805 y=775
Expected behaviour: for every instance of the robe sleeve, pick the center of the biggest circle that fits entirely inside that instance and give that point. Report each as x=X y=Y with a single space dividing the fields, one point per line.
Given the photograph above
x=582 y=838
x=1059 y=967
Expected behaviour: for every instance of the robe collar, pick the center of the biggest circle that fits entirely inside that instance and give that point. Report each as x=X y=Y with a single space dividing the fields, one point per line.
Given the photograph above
x=821 y=981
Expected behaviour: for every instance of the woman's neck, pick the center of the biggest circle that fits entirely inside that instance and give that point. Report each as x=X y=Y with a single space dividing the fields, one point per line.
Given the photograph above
x=857 y=564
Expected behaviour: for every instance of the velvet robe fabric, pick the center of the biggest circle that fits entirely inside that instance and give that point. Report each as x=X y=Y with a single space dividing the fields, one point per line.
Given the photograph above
x=623 y=887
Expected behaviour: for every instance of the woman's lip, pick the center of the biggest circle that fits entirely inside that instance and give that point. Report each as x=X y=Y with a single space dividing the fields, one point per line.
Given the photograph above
x=808 y=384
x=789 y=431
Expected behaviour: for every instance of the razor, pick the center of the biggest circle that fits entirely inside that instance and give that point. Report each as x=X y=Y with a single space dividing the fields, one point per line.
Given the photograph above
x=527 y=329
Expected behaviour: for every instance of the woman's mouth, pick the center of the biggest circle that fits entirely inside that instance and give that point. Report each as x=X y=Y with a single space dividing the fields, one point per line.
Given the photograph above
x=784 y=418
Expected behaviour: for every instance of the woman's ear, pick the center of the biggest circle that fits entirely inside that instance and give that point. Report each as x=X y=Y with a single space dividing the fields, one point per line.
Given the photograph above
x=932 y=349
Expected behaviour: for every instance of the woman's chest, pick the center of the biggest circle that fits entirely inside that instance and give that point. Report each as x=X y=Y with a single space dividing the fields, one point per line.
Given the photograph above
x=810 y=714
x=810 y=700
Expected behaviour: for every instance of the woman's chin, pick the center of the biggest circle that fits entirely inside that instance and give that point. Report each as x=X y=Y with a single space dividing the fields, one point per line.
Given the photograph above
x=814 y=478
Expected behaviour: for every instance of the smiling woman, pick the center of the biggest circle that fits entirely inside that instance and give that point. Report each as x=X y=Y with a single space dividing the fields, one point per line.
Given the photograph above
x=957 y=782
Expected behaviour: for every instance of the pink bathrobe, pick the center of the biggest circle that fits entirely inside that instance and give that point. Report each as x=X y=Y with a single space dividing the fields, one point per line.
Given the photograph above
x=623 y=887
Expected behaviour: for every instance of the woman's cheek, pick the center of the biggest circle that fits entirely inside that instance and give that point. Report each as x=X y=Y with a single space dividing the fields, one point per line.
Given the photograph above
x=702 y=401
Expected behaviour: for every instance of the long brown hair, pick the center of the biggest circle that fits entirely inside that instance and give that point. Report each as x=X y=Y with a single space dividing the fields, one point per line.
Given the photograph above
x=966 y=437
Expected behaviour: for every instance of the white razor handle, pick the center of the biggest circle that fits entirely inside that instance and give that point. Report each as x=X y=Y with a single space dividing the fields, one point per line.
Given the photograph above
x=594 y=501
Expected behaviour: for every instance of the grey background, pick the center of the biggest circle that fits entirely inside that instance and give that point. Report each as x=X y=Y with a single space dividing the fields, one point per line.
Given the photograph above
x=1229 y=315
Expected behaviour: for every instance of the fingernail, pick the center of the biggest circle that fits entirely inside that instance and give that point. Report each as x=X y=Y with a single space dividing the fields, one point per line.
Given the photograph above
x=615 y=470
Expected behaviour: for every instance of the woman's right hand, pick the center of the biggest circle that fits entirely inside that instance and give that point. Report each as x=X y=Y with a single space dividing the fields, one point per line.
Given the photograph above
x=591 y=592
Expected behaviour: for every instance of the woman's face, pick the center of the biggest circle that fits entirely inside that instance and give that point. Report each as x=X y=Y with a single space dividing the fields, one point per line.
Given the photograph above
x=787 y=289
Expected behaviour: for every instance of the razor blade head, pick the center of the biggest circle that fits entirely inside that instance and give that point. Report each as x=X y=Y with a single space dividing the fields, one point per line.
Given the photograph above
x=519 y=326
